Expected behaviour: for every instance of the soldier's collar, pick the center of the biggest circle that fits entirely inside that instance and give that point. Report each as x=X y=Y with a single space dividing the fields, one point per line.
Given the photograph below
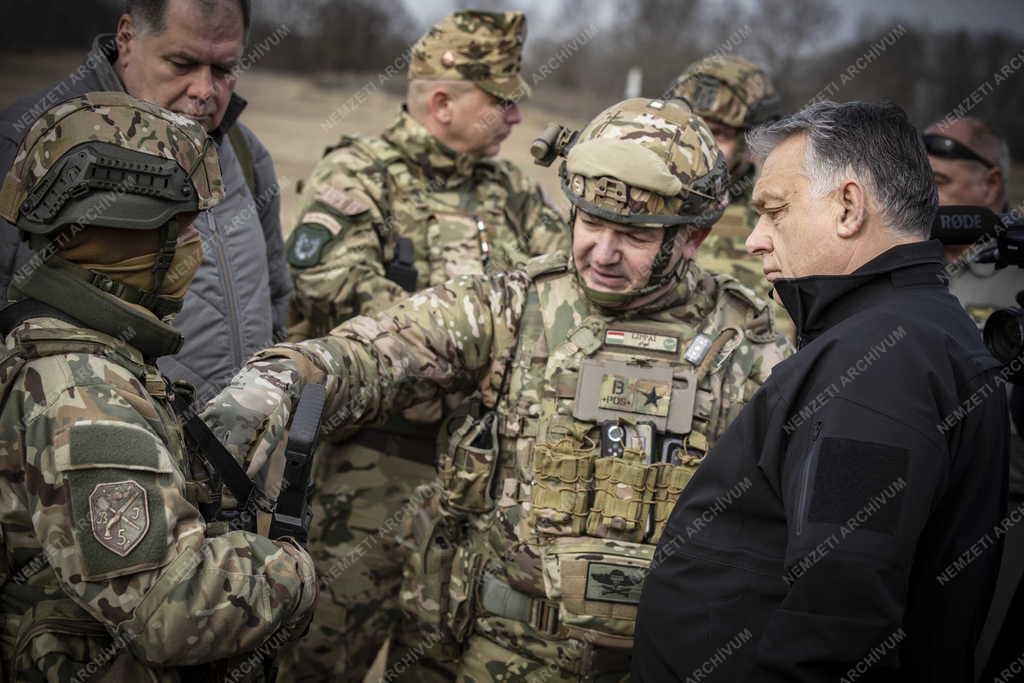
x=426 y=152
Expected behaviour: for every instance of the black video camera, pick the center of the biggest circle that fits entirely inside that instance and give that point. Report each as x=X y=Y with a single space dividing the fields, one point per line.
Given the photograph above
x=993 y=238
x=999 y=240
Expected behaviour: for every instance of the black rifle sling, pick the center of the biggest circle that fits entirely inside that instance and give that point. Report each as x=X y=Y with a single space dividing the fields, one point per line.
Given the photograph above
x=293 y=515
x=248 y=495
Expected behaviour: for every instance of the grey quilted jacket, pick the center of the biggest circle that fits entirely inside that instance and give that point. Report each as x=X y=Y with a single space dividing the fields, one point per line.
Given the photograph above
x=238 y=301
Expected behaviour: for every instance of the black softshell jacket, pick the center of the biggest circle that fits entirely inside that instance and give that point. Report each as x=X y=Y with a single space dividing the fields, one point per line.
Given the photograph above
x=848 y=525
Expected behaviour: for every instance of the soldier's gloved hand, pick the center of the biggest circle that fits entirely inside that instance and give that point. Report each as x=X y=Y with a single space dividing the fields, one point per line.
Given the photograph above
x=298 y=623
x=250 y=416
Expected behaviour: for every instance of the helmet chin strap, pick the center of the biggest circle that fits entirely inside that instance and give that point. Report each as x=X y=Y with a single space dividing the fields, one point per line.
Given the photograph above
x=168 y=246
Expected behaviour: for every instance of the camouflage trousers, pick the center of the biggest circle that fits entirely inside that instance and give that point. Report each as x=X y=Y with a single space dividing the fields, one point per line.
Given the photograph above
x=487 y=662
x=482 y=660
x=359 y=499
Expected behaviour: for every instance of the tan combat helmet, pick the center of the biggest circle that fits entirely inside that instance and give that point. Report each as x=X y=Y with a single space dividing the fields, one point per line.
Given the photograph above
x=108 y=160
x=483 y=47
x=729 y=90
x=648 y=163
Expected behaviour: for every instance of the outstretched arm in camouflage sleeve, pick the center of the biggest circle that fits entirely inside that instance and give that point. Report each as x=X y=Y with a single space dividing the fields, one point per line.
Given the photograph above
x=336 y=252
x=452 y=337
x=106 y=501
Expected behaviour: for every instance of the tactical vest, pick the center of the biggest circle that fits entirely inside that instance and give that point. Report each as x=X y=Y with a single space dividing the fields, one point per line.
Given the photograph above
x=36 y=619
x=557 y=499
x=416 y=208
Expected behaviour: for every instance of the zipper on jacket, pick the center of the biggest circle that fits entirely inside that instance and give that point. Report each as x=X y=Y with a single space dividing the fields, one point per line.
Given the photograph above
x=804 y=499
x=234 y=329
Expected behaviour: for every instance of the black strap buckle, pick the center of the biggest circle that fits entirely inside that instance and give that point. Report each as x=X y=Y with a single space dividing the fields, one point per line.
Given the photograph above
x=106 y=284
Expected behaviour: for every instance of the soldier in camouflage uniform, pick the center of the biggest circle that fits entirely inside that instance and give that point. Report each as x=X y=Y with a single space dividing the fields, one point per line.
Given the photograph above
x=107 y=568
x=382 y=217
x=733 y=95
x=602 y=377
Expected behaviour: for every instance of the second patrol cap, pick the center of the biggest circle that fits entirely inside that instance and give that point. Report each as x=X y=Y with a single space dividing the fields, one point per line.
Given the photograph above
x=483 y=47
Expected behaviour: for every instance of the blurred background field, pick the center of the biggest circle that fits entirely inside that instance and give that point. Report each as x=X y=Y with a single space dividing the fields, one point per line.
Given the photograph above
x=318 y=67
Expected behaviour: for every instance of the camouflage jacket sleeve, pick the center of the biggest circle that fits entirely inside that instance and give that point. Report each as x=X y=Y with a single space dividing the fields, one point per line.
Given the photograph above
x=543 y=229
x=105 y=499
x=338 y=250
x=453 y=337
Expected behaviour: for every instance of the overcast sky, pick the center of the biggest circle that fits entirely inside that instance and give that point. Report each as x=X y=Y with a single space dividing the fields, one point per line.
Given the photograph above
x=974 y=15
x=1005 y=15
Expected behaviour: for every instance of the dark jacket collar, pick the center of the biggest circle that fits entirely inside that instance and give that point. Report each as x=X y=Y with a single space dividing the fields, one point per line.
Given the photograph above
x=819 y=302
x=100 y=61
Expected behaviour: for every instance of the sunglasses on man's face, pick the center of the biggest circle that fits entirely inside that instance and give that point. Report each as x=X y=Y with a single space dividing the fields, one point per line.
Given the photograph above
x=948 y=148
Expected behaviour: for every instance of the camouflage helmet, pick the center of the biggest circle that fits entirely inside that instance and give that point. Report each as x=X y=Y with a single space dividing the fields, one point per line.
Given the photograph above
x=109 y=159
x=729 y=90
x=648 y=163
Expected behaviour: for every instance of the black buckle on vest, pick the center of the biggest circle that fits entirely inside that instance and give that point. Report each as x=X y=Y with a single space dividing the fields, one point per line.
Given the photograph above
x=106 y=284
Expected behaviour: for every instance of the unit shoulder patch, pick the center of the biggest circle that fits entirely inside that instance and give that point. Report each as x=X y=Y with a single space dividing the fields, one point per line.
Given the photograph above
x=119 y=512
x=306 y=244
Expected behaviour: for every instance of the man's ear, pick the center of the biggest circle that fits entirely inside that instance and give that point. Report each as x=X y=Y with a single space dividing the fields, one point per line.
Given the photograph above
x=993 y=186
x=852 y=207
x=440 y=104
x=125 y=32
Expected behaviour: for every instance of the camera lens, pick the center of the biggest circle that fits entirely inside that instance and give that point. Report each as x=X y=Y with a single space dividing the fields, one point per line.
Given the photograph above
x=1004 y=337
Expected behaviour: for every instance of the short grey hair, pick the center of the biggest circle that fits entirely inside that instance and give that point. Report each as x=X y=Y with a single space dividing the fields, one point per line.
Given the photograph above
x=874 y=144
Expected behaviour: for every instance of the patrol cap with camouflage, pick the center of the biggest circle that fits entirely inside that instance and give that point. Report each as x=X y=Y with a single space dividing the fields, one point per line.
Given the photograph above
x=109 y=159
x=471 y=45
x=649 y=163
x=729 y=90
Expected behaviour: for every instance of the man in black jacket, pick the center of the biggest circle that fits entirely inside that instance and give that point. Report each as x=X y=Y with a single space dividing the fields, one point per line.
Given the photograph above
x=848 y=525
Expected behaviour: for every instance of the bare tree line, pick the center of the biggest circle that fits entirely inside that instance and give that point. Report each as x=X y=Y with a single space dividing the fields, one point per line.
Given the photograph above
x=931 y=74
